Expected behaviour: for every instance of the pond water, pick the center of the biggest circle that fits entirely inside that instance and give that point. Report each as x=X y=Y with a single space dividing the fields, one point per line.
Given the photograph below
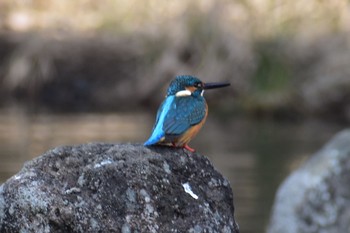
x=254 y=155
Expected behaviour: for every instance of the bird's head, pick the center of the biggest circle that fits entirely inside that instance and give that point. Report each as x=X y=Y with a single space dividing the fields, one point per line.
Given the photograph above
x=186 y=85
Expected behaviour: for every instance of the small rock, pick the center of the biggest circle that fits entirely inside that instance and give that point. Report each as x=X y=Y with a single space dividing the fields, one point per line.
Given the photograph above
x=316 y=197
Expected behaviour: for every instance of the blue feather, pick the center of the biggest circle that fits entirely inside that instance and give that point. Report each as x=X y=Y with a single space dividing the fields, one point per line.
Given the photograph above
x=158 y=132
x=185 y=112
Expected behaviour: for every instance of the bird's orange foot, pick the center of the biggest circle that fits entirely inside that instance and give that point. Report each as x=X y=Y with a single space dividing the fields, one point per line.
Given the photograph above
x=189 y=148
x=185 y=147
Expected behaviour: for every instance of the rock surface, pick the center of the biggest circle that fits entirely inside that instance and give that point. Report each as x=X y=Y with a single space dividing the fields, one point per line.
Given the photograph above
x=316 y=197
x=117 y=188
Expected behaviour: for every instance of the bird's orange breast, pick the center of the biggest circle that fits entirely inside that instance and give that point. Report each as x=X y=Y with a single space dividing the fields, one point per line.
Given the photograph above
x=186 y=137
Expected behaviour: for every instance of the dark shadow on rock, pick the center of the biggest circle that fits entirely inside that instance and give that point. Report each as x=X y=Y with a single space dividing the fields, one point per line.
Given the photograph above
x=316 y=197
x=117 y=188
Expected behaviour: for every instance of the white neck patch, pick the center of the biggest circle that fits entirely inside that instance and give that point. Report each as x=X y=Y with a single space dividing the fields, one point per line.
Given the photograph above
x=183 y=93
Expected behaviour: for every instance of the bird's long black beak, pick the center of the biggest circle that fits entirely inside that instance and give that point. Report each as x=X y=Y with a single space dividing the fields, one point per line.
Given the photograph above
x=215 y=85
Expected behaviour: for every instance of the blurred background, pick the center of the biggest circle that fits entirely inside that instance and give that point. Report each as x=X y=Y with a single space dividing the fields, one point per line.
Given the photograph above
x=78 y=71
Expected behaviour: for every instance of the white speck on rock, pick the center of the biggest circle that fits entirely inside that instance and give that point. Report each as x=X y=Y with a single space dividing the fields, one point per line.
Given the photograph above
x=188 y=190
x=149 y=208
x=94 y=224
x=11 y=210
x=145 y=195
x=166 y=167
x=81 y=180
x=102 y=163
x=72 y=190
x=126 y=228
x=130 y=194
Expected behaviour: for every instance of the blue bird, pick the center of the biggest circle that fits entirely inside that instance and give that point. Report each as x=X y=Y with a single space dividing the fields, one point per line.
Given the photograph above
x=182 y=113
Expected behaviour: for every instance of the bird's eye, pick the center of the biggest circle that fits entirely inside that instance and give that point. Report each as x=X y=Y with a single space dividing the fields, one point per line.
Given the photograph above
x=198 y=85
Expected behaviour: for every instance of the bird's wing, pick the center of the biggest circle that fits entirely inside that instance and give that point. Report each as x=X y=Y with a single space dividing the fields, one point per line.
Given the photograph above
x=184 y=113
x=159 y=113
x=157 y=132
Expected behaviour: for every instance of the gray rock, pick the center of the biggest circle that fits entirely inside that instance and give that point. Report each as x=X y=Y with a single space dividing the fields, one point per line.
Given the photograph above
x=316 y=197
x=117 y=188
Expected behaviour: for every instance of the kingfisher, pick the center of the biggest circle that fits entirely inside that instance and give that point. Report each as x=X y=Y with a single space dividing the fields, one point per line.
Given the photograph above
x=182 y=113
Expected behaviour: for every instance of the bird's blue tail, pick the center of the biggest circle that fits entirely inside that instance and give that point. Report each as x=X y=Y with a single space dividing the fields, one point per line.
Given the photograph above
x=154 y=139
x=158 y=132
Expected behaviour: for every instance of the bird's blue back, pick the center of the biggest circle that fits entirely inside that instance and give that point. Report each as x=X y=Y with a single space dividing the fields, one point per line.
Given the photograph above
x=176 y=115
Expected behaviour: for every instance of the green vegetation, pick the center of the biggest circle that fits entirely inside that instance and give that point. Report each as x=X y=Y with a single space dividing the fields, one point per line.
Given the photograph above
x=272 y=74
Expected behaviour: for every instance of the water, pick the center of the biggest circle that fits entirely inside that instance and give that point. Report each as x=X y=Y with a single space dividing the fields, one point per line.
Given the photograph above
x=254 y=155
